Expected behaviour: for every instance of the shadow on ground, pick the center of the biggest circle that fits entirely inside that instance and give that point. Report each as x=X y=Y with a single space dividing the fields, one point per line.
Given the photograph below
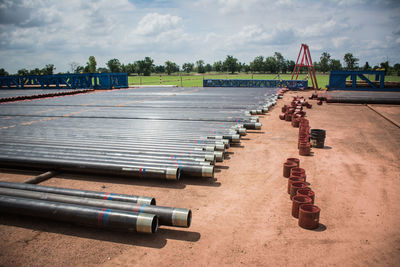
x=157 y=240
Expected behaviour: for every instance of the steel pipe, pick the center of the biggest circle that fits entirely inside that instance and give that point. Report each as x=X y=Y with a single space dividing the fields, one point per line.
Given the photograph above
x=81 y=193
x=166 y=215
x=83 y=215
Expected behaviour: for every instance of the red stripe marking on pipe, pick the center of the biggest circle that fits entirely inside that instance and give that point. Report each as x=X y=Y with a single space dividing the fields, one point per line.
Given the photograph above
x=136 y=208
x=100 y=218
x=106 y=196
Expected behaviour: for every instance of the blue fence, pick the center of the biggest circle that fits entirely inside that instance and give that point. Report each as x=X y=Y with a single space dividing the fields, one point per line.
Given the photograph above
x=337 y=80
x=70 y=81
x=291 y=84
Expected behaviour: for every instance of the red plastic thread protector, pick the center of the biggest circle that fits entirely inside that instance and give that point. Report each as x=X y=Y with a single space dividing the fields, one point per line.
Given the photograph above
x=306 y=192
x=297 y=170
x=295 y=160
x=292 y=180
x=287 y=166
x=294 y=186
x=309 y=216
x=299 y=175
x=297 y=201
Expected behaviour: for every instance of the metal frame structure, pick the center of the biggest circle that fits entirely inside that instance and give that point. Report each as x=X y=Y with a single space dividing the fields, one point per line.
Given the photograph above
x=306 y=62
x=291 y=84
x=337 y=80
x=70 y=81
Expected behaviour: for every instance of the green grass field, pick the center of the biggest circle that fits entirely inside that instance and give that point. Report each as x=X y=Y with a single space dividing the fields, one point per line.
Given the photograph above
x=194 y=80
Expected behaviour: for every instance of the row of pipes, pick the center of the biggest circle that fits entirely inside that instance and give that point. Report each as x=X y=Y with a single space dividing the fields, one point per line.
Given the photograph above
x=148 y=133
x=90 y=208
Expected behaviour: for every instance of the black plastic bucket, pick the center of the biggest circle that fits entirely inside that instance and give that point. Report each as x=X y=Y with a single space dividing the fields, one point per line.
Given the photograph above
x=317 y=138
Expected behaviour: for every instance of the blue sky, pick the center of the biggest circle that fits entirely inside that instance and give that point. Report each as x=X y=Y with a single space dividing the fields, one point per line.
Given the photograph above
x=34 y=33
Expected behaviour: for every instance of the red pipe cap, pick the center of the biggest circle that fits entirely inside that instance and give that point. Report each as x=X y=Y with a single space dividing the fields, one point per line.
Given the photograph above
x=309 y=216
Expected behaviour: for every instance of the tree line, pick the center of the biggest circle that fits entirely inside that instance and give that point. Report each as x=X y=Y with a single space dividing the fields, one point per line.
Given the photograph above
x=272 y=64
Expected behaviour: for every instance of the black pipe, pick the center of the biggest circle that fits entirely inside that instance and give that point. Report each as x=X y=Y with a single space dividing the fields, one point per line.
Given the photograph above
x=167 y=215
x=40 y=178
x=168 y=173
x=83 y=215
x=81 y=193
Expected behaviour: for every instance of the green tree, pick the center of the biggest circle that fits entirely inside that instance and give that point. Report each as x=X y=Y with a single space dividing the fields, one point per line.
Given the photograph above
x=114 y=65
x=3 y=72
x=270 y=65
x=91 y=64
x=101 y=70
x=350 y=61
x=35 y=71
x=324 y=62
x=257 y=65
x=145 y=66
x=171 y=67
x=217 y=66
x=335 y=64
x=244 y=67
x=280 y=61
x=367 y=66
x=22 y=72
x=48 y=69
x=290 y=65
x=385 y=66
x=317 y=66
x=200 y=66
x=231 y=64
x=188 y=67
x=396 y=68
x=128 y=68
x=159 y=69
x=208 y=67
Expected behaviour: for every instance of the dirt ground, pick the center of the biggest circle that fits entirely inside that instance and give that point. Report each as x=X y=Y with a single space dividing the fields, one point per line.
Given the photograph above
x=243 y=217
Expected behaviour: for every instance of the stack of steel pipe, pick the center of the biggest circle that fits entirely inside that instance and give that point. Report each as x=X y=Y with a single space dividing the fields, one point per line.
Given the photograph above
x=360 y=97
x=141 y=132
x=27 y=94
x=91 y=208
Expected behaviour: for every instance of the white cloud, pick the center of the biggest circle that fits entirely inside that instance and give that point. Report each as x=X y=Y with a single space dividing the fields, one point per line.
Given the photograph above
x=340 y=41
x=154 y=24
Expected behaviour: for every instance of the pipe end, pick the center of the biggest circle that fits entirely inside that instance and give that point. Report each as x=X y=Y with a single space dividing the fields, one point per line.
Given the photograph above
x=220 y=147
x=146 y=200
x=235 y=138
x=219 y=156
x=172 y=174
x=242 y=131
x=146 y=223
x=207 y=171
x=209 y=157
x=181 y=217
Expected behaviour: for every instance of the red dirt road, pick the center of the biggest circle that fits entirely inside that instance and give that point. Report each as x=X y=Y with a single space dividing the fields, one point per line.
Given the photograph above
x=244 y=216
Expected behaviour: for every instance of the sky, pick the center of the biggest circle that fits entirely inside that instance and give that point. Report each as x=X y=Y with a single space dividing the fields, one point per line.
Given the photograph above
x=34 y=33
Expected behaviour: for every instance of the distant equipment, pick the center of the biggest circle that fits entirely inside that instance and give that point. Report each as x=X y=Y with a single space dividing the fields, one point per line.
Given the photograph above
x=305 y=62
x=69 y=81
x=338 y=80
x=291 y=84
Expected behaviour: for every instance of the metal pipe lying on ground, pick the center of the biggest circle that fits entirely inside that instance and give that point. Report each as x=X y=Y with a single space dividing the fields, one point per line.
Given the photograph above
x=40 y=178
x=195 y=168
x=168 y=173
x=81 y=193
x=83 y=215
x=166 y=215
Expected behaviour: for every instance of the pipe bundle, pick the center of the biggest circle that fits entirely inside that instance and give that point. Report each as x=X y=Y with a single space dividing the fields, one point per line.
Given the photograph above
x=138 y=132
x=90 y=208
x=360 y=97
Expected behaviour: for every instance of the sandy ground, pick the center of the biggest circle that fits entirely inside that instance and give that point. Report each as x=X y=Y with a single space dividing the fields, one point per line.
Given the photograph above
x=243 y=217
